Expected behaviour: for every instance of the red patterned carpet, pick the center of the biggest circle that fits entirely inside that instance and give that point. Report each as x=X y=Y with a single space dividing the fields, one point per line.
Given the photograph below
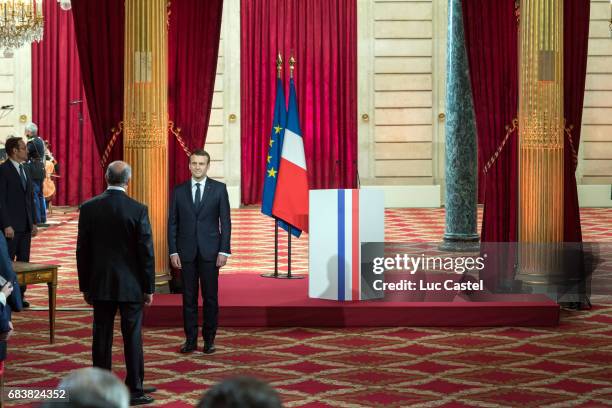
x=567 y=366
x=253 y=243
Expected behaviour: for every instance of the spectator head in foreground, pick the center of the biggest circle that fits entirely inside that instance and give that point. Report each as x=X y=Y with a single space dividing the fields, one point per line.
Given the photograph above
x=93 y=387
x=241 y=392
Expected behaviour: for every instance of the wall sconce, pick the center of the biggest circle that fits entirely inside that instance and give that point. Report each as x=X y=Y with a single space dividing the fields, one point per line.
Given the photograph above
x=65 y=4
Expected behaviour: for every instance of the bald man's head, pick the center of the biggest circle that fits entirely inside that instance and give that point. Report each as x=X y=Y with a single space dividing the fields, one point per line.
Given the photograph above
x=118 y=173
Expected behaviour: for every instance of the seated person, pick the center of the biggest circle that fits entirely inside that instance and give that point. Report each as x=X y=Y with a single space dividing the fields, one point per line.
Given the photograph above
x=6 y=327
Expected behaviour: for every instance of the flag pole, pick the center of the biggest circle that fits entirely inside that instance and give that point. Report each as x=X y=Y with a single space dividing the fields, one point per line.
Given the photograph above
x=279 y=68
x=289 y=254
x=276 y=248
x=289 y=275
x=291 y=68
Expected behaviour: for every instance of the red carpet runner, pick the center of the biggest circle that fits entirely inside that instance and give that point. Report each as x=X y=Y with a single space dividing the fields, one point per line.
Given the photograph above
x=252 y=301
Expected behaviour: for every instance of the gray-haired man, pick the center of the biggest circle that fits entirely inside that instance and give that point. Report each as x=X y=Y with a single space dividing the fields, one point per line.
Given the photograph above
x=36 y=165
x=116 y=268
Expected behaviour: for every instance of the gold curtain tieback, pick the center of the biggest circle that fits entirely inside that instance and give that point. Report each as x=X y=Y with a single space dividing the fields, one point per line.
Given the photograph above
x=568 y=132
x=493 y=159
x=176 y=131
x=109 y=146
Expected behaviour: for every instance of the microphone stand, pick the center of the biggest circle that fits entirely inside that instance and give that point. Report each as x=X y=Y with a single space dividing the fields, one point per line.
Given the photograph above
x=80 y=113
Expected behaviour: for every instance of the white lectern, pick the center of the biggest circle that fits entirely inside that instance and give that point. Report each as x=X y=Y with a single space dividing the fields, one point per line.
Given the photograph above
x=339 y=222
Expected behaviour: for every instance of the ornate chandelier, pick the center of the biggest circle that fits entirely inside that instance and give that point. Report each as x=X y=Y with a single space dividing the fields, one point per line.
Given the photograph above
x=21 y=22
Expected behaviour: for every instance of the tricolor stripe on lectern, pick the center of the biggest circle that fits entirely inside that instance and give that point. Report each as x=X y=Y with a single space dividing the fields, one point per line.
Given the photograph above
x=349 y=245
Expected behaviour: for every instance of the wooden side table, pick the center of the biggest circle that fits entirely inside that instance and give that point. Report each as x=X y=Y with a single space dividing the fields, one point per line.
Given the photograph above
x=32 y=273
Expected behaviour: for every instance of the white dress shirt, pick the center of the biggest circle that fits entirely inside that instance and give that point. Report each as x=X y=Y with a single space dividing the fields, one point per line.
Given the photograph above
x=194 y=187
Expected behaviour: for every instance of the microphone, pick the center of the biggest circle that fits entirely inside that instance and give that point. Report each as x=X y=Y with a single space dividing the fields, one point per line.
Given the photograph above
x=357 y=173
x=75 y=102
x=5 y=107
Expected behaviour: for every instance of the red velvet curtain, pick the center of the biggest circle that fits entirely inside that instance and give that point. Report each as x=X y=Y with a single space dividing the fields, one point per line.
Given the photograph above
x=56 y=80
x=322 y=35
x=193 y=48
x=491 y=33
x=99 y=29
x=575 y=39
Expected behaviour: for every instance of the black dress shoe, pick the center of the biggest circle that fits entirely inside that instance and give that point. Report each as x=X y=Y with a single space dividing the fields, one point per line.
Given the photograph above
x=188 y=347
x=149 y=390
x=141 y=400
x=209 y=348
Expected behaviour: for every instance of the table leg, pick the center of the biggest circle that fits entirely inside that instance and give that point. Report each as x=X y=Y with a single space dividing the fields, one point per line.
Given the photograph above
x=52 y=292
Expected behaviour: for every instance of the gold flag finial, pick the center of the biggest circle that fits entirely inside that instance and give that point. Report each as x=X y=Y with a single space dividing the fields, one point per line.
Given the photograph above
x=279 y=64
x=291 y=66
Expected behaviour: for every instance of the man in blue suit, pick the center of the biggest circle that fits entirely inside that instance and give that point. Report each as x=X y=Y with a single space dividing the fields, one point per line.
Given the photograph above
x=199 y=230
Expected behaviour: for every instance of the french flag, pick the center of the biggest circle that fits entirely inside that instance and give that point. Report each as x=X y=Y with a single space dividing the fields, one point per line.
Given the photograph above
x=291 y=198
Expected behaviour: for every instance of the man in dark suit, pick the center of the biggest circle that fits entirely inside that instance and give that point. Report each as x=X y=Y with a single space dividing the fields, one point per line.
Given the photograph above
x=17 y=211
x=116 y=268
x=199 y=230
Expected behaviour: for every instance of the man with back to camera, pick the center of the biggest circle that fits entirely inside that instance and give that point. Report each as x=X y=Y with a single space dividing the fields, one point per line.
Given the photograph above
x=17 y=211
x=199 y=231
x=116 y=268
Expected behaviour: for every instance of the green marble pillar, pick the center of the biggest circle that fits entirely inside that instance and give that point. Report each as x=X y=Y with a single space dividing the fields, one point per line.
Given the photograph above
x=461 y=152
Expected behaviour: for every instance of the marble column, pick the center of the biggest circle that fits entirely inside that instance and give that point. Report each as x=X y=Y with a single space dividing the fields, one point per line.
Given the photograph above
x=145 y=117
x=461 y=160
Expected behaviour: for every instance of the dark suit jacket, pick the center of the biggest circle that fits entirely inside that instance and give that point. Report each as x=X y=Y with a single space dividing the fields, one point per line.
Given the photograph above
x=115 y=260
x=207 y=228
x=7 y=272
x=16 y=205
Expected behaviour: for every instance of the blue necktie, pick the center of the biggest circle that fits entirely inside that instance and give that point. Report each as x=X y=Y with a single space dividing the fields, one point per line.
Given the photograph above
x=23 y=176
x=198 y=195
